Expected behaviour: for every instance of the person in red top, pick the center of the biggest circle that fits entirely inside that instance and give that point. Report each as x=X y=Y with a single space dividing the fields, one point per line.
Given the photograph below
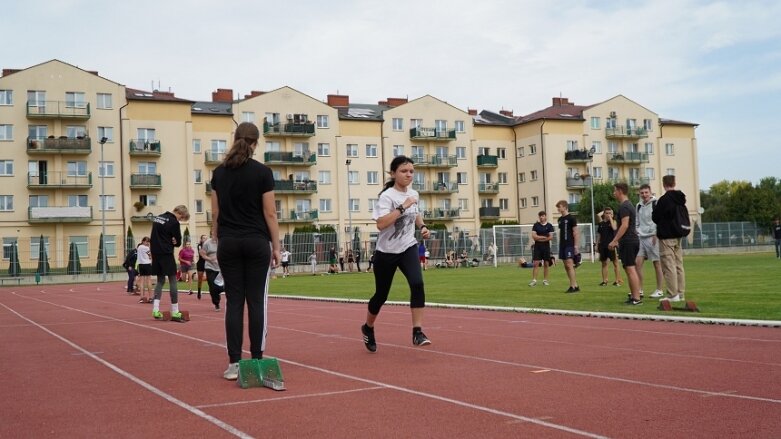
x=186 y=261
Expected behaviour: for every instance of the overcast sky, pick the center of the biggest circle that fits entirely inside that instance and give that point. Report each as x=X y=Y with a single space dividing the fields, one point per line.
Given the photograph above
x=717 y=64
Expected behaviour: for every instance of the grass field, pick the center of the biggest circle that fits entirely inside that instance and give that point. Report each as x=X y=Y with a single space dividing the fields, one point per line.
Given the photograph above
x=743 y=286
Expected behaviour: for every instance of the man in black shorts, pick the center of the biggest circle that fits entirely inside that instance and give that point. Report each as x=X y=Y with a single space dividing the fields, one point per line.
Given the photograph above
x=569 y=238
x=542 y=233
x=606 y=230
x=627 y=241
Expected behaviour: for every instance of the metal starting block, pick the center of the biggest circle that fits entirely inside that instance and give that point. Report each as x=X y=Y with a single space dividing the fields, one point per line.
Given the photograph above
x=666 y=305
x=261 y=373
x=185 y=316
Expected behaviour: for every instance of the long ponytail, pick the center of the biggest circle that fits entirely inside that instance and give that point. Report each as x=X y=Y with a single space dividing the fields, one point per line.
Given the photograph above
x=241 y=151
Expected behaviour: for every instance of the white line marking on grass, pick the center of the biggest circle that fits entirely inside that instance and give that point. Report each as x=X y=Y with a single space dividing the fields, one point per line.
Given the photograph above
x=282 y=398
x=168 y=397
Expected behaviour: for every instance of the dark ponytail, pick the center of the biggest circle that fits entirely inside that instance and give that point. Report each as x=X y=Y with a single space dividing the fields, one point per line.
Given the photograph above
x=241 y=151
x=395 y=163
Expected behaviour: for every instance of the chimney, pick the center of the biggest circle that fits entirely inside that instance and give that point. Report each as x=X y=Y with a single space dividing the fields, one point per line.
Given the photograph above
x=223 y=95
x=254 y=93
x=508 y=113
x=395 y=102
x=339 y=100
x=167 y=94
x=560 y=102
x=472 y=111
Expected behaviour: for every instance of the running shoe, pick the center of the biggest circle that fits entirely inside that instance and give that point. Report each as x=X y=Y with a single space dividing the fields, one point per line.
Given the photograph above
x=675 y=298
x=420 y=339
x=533 y=283
x=657 y=294
x=571 y=290
x=177 y=317
x=603 y=283
x=232 y=372
x=157 y=315
x=199 y=295
x=368 y=338
x=545 y=282
x=632 y=301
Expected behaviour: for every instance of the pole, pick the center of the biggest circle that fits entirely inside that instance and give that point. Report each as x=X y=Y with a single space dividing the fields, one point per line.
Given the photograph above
x=591 y=186
x=349 y=207
x=102 y=170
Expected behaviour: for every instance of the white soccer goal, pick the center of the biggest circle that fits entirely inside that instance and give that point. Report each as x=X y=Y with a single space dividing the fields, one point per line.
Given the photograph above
x=513 y=242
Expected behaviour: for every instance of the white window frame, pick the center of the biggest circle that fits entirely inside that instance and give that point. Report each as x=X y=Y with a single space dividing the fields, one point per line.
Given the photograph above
x=354 y=177
x=325 y=205
x=532 y=149
x=533 y=175
x=397 y=150
x=107 y=132
x=196 y=146
x=398 y=124
x=198 y=206
x=372 y=177
x=109 y=168
x=324 y=177
x=6 y=132
x=104 y=101
x=535 y=201
x=524 y=203
x=501 y=177
x=462 y=178
x=6 y=97
x=460 y=152
x=459 y=125
x=595 y=122
x=7 y=168
x=322 y=121
x=6 y=203
x=669 y=149
x=521 y=151
x=323 y=149
x=352 y=150
x=75 y=99
x=248 y=116
x=109 y=201
x=371 y=150
x=197 y=176
x=354 y=204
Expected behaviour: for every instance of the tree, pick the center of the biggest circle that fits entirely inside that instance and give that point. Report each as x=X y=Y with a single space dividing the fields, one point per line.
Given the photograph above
x=99 y=265
x=130 y=243
x=186 y=235
x=74 y=263
x=43 y=259
x=14 y=268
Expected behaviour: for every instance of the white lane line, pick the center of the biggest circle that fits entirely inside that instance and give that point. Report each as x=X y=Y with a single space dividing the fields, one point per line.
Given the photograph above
x=168 y=397
x=282 y=398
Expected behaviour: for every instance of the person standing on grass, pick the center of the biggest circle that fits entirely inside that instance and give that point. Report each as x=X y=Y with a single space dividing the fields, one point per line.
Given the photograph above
x=542 y=234
x=313 y=263
x=186 y=260
x=569 y=237
x=332 y=261
x=777 y=236
x=397 y=216
x=245 y=227
x=670 y=250
x=649 y=244
x=285 y=255
x=200 y=266
x=626 y=241
x=606 y=230
x=166 y=235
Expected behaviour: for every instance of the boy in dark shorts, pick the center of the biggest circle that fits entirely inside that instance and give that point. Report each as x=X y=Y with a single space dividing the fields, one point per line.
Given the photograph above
x=627 y=241
x=606 y=230
x=542 y=234
x=569 y=237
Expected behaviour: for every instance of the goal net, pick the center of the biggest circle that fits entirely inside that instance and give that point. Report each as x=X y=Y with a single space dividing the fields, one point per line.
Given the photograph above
x=511 y=243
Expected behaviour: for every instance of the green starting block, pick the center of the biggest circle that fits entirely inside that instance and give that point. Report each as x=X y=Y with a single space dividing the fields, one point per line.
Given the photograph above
x=261 y=373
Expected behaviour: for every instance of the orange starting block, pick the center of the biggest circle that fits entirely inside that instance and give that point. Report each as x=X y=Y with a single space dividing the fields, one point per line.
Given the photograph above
x=666 y=305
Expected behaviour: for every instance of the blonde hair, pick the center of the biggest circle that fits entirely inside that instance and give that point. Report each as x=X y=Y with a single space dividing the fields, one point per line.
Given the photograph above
x=182 y=211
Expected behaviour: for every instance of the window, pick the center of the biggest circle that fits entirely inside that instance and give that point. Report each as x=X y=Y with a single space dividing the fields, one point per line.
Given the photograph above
x=612 y=147
x=649 y=148
x=649 y=173
x=299 y=119
x=353 y=177
x=198 y=206
x=573 y=198
x=521 y=151
x=670 y=171
x=482 y=150
x=77 y=201
x=398 y=124
x=107 y=132
x=74 y=131
x=303 y=205
x=610 y=122
x=107 y=202
x=6 y=203
x=631 y=124
x=35 y=247
x=105 y=169
x=354 y=205
x=535 y=201
x=148 y=200
x=6 y=167
x=463 y=204
x=460 y=126
x=523 y=203
x=397 y=150
x=461 y=178
x=37 y=132
x=352 y=150
x=461 y=152
x=36 y=98
x=273 y=147
x=597 y=171
x=301 y=149
x=669 y=148
x=415 y=123
x=594 y=123
x=325 y=205
x=77 y=169
x=442 y=151
x=521 y=177
x=111 y=246
x=572 y=145
x=322 y=121
x=145 y=134
x=501 y=153
x=75 y=99
x=323 y=149
x=6 y=132
x=371 y=150
x=502 y=178
x=6 y=97
x=104 y=101
x=533 y=175
x=647 y=124
x=372 y=203
x=324 y=177
x=81 y=246
x=612 y=173
x=8 y=246
x=147 y=168
x=504 y=203
x=218 y=146
x=197 y=176
x=485 y=178
x=301 y=176
x=39 y=200
x=532 y=149
x=597 y=145
x=416 y=153
x=248 y=116
x=372 y=177
x=196 y=146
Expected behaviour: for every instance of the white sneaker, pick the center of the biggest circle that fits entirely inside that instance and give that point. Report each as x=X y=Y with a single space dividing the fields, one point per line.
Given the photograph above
x=657 y=294
x=533 y=282
x=545 y=282
x=232 y=372
x=675 y=298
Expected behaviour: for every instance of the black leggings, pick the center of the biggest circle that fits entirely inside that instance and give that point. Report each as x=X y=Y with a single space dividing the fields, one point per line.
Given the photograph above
x=214 y=290
x=245 y=266
x=385 y=265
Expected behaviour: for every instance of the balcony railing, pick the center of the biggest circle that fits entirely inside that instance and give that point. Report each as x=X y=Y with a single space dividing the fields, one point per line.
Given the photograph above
x=208 y=187
x=488 y=188
x=435 y=161
x=298 y=217
x=290 y=158
x=627 y=157
x=421 y=133
x=143 y=147
x=578 y=183
x=213 y=157
x=295 y=187
x=58 y=109
x=59 y=214
x=488 y=161
x=442 y=214
x=59 y=145
x=577 y=156
x=436 y=187
x=625 y=133
x=58 y=180
x=489 y=212
x=146 y=181
x=148 y=217
x=288 y=129
x=637 y=182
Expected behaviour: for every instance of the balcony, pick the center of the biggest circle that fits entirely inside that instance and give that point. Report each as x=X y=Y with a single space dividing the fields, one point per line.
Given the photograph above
x=290 y=158
x=59 y=214
x=420 y=133
x=488 y=188
x=143 y=218
x=441 y=214
x=289 y=129
x=487 y=161
x=435 y=161
x=638 y=181
x=295 y=187
x=213 y=157
x=59 y=145
x=436 y=188
x=298 y=217
x=577 y=156
x=622 y=132
x=58 y=180
x=146 y=181
x=57 y=110
x=578 y=183
x=489 y=213
x=143 y=148
x=627 y=157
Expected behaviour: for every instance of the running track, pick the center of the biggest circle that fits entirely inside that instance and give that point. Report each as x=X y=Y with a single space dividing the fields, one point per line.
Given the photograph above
x=86 y=360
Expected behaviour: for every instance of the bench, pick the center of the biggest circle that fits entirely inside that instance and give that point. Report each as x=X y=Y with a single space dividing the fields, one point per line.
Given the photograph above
x=18 y=280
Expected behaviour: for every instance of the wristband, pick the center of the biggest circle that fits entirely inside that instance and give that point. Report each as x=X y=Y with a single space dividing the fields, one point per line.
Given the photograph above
x=401 y=209
x=423 y=225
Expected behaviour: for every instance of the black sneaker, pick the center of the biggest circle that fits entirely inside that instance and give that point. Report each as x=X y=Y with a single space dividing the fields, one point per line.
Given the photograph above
x=199 y=295
x=368 y=338
x=629 y=295
x=603 y=284
x=571 y=290
x=420 y=339
x=631 y=301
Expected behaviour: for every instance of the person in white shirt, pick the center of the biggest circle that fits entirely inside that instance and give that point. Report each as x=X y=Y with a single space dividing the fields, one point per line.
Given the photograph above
x=397 y=216
x=145 y=270
x=285 y=262
x=649 y=244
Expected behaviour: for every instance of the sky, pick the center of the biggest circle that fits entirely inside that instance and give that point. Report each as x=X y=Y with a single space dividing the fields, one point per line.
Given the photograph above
x=714 y=63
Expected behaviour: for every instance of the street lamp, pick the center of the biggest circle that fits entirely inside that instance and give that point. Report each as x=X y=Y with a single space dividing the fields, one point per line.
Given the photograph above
x=591 y=185
x=349 y=208
x=102 y=170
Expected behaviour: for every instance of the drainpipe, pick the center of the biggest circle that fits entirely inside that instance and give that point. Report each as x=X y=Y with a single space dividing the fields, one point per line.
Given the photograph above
x=125 y=184
x=542 y=154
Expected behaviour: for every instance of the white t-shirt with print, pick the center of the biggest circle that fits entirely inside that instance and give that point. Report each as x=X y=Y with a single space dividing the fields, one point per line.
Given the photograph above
x=144 y=256
x=401 y=235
